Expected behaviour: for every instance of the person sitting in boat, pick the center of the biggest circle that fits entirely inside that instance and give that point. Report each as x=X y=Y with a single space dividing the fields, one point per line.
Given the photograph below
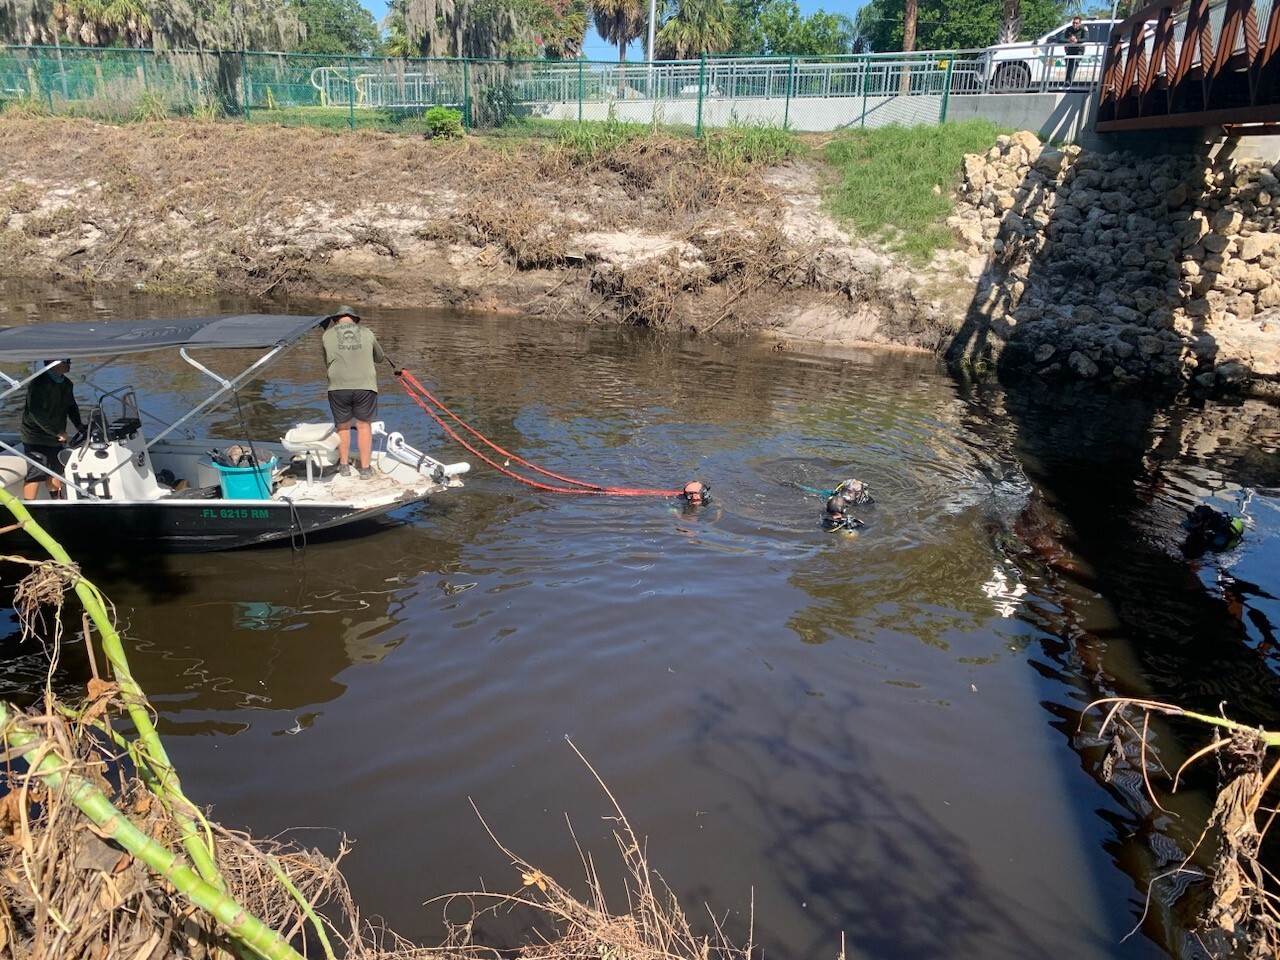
x=351 y=356
x=50 y=404
x=1210 y=529
x=837 y=516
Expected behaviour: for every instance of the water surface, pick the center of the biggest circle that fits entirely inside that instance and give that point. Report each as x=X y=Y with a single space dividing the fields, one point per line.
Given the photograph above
x=874 y=737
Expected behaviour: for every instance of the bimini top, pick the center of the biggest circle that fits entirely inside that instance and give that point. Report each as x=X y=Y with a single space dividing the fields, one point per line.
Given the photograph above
x=97 y=338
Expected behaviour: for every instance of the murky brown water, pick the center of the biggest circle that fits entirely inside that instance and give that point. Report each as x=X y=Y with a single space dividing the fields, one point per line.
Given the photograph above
x=872 y=736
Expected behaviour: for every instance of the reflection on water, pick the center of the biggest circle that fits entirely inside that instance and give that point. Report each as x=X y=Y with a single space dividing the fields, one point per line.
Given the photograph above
x=875 y=735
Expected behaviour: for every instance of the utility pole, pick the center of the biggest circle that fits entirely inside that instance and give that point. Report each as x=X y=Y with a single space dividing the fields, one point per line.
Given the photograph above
x=648 y=54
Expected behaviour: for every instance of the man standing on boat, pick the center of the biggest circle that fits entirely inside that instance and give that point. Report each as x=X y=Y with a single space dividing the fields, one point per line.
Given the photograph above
x=351 y=355
x=50 y=402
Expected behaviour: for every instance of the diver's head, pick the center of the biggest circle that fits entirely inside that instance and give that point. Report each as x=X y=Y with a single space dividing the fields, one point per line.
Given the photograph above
x=1201 y=518
x=836 y=507
x=695 y=491
x=853 y=490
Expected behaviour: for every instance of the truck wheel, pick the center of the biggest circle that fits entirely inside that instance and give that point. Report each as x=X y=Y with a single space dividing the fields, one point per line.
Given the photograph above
x=1012 y=76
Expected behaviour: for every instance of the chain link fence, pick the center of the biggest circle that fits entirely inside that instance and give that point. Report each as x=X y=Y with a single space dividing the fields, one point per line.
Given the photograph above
x=520 y=96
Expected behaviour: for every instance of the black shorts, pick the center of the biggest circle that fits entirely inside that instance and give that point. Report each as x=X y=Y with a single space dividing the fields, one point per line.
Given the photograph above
x=353 y=405
x=50 y=456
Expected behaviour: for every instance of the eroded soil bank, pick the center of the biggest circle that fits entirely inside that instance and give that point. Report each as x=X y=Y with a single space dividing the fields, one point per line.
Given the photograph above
x=653 y=232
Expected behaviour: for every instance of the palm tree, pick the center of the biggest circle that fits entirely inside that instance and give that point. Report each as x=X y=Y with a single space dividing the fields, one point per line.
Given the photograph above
x=397 y=43
x=620 y=22
x=697 y=27
x=1011 y=23
x=909 y=26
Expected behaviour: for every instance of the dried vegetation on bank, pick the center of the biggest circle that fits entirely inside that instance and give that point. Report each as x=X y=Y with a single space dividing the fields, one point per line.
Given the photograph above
x=609 y=222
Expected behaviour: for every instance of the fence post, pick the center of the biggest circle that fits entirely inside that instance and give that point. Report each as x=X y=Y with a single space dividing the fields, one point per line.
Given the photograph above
x=580 y=89
x=244 y=83
x=44 y=79
x=946 y=88
x=466 y=95
x=142 y=62
x=786 y=110
x=866 y=85
x=702 y=86
x=351 y=97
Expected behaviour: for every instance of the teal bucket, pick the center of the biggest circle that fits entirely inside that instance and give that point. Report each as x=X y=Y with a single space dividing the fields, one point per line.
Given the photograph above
x=246 y=483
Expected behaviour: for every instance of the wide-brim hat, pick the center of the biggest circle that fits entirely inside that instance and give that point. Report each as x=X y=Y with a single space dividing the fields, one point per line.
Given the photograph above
x=345 y=311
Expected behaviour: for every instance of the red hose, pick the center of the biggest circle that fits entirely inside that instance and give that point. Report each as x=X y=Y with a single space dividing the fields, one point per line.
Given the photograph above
x=422 y=396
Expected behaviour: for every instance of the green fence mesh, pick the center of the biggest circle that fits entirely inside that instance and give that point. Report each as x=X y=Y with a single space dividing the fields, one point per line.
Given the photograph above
x=523 y=96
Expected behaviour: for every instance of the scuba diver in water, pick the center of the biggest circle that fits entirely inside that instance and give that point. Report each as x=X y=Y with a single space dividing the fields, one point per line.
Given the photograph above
x=837 y=516
x=853 y=491
x=1210 y=529
x=696 y=493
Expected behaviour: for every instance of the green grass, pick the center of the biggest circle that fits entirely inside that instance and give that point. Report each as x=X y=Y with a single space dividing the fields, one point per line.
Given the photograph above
x=591 y=140
x=25 y=107
x=750 y=144
x=895 y=183
x=339 y=118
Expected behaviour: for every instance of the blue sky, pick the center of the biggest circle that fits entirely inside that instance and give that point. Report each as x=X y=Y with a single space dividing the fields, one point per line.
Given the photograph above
x=597 y=49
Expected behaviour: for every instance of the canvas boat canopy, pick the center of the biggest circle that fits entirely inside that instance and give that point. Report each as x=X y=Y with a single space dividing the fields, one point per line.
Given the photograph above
x=97 y=338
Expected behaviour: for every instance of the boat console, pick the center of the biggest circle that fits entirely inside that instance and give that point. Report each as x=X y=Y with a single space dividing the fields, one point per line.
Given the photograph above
x=109 y=459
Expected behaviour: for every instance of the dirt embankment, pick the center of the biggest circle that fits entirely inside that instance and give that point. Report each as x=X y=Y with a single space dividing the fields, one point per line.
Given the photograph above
x=652 y=232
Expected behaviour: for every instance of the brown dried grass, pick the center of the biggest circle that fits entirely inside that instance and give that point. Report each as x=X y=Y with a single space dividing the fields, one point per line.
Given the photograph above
x=654 y=927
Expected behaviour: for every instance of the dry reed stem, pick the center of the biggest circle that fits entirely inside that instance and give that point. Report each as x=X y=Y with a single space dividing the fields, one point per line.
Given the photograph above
x=653 y=928
x=1246 y=896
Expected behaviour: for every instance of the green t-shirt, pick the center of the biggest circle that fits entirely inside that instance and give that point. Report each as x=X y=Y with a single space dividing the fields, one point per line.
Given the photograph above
x=350 y=353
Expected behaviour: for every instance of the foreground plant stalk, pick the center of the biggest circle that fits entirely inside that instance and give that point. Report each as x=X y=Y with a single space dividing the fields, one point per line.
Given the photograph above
x=55 y=771
x=169 y=788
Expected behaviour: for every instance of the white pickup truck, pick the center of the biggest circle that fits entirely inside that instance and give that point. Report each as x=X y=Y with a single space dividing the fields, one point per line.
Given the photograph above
x=1043 y=63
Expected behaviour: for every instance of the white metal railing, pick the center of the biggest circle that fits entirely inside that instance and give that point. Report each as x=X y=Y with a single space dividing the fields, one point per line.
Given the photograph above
x=1022 y=68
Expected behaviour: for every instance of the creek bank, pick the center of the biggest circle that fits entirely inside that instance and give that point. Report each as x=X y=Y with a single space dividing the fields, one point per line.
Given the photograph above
x=652 y=232
x=1071 y=264
x=1115 y=267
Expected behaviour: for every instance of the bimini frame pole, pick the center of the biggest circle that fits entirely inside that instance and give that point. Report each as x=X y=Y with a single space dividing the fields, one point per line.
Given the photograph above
x=226 y=386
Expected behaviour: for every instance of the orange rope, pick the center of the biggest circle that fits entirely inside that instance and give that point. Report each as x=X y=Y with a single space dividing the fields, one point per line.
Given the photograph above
x=422 y=396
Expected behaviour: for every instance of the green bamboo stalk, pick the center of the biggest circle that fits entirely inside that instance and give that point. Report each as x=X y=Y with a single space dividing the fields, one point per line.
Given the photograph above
x=199 y=849
x=304 y=905
x=94 y=804
x=1222 y=723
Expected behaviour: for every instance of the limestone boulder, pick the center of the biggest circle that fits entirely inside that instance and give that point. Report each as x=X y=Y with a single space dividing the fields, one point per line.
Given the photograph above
x=1252 y=247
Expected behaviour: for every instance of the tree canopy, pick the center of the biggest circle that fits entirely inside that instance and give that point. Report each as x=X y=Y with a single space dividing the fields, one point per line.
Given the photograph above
x=951 y=24
x=172 y=24
x=778 y=28
x=488 y=29
x=336 y=26
x=696 y=27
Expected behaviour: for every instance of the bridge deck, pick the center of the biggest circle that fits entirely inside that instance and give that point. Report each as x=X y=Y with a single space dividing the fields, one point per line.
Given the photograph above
x=1193 y=63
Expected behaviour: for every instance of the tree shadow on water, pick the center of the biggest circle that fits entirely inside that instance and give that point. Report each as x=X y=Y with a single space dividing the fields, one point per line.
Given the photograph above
x=861 y=857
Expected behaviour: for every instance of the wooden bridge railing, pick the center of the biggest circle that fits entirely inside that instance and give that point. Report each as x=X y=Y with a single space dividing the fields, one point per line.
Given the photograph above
x=1193 y=63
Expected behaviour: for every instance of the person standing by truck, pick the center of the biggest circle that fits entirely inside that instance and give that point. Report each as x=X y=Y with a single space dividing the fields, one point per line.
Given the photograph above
x=1073 y=37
